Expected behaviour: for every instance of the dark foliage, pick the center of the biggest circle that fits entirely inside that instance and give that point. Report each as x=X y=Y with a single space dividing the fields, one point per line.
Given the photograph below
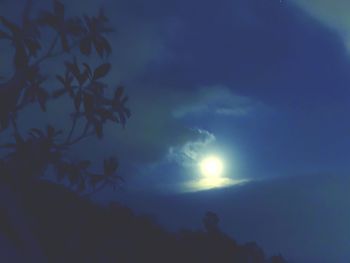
x=32 y=152
x=72 y=229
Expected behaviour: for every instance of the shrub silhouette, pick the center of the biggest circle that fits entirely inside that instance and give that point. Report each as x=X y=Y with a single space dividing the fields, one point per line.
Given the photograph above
x=211 y=222
x=72 y=229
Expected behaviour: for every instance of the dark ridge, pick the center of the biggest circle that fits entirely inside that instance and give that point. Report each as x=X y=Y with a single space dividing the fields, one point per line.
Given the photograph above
x=70 y=228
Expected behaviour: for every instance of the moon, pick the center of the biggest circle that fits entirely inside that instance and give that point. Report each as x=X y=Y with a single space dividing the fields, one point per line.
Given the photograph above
x=213 y=175
x=211 y=167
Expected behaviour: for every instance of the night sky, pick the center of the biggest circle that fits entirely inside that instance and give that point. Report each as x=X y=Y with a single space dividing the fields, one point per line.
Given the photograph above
x=264 y=85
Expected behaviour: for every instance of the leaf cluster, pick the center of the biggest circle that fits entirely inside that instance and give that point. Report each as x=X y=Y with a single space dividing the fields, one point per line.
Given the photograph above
x=81 y=84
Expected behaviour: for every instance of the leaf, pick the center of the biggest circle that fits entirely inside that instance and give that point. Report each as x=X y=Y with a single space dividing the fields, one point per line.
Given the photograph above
x=58 y=9
x=81 y=186
x=110 y=166
x=77 y=100
x=58 y=132
x=50 y=131
x=74 y=176
x=84 y=164
x=73 y=68
x=29 y=95
x=74 y=27
x=119 y=92
x=64 y=41
x=88 y=103
x=102 y=16
x=8 y=145
x=98 y=128
x=99 y=46
x=33 y=46
x=47 y=18
x=106 y=114
x=97 y=87
x=61 y=169
x=83 y=78
x=106 y=46
x=127 y=112
x=66 y=81
x=59 y=92
x=124 y=100
x=122 y=118
x=88 y=69
x=11 y=26
x=60 y=79
x=36 y=133
x=85 y=46
x=42 y=97
x=21 y=57
x=4 y=35
x=4 y=122
x=18 y=138
x=88 y=21
x=95 y=179
x=101 y=71
x=59 y=173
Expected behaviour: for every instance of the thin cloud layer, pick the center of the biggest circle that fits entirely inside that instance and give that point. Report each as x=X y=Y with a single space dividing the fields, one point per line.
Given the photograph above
x=216 y=100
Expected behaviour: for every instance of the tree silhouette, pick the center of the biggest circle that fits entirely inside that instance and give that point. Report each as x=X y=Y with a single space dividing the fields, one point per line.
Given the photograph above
x=211 y=222
x=31 y=153
x=278 y=259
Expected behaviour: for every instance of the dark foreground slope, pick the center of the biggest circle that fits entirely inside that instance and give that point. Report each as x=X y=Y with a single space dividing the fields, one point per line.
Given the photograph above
x=306 y=218
x=71 y=229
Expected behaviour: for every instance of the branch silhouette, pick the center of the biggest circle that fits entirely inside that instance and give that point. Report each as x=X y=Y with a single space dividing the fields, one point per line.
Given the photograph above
x=80 y=84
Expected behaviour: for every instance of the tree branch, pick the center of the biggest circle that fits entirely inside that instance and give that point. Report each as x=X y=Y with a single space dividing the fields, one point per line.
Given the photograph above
x=75 y=119
x=49 y=52
x=96 y=189
x=14 y=123
x=84 y=135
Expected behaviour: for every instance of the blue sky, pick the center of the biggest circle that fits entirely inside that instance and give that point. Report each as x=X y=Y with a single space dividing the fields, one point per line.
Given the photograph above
x=263 y=83
x=268 y=80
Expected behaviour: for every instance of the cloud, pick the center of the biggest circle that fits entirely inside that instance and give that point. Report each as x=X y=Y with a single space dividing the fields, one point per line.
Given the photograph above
x=191 y=151
x=175 y=170
x=333 y=13
x=178 y=171
x=202 y=184
x=218 y=100
x=234 y=112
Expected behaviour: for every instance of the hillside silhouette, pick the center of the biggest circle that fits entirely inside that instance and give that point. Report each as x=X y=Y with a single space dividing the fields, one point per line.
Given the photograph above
x=69 y=228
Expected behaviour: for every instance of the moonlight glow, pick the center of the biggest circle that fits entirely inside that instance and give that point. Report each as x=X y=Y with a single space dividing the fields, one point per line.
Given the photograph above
x=211 y=167
x=213 y=175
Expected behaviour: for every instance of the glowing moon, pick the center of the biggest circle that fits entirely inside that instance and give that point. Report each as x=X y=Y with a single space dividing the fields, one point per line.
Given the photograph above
x=213 y=175
x=211 y=167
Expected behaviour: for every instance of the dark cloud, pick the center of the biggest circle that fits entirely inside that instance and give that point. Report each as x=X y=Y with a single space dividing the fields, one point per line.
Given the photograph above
x=263 y=49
